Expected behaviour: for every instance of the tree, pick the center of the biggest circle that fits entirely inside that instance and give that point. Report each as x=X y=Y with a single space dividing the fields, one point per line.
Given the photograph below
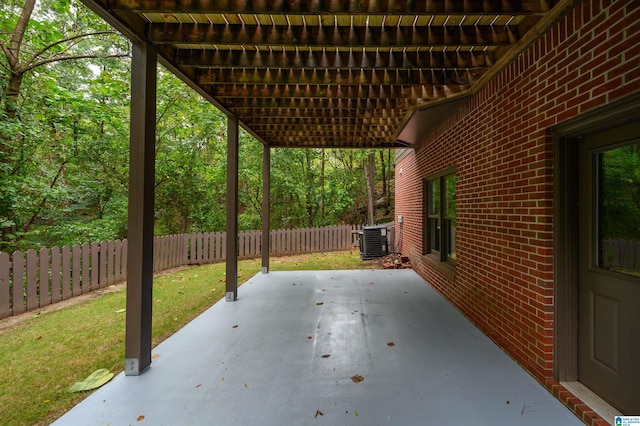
x=35 y=37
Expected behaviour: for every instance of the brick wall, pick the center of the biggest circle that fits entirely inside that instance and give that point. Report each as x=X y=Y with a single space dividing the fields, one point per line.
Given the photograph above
x=500 y=144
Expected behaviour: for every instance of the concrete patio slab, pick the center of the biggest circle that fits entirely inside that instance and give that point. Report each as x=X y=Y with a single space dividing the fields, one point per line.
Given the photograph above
x=287 y=351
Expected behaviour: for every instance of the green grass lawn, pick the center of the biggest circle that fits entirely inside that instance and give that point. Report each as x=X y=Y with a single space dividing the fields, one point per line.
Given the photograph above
x=43 y=355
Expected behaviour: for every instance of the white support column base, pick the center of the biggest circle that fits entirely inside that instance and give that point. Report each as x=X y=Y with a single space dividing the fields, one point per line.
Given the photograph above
x=132 y=367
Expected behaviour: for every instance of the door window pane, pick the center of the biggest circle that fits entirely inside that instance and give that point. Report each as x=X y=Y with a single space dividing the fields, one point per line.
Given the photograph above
x=618 y=211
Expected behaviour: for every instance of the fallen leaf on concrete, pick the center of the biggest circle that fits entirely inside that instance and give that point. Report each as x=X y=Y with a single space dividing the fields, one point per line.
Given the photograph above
x=391 y=344
x=156 y=356
x=356 y=413
x=140 y=418
x=235 y=326
x=309 y=337
x=319 y=413
x=319 y=303
x=371 y=283
x=326 y=356
x=94 y=381
x=198 y=385
x=357 y=378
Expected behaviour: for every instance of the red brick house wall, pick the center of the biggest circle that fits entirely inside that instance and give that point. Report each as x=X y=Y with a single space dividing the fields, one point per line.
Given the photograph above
x=501 y=147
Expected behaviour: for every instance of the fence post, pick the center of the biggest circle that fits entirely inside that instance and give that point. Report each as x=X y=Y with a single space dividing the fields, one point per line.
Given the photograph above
x=66 y=273
x=5 y=288
x=18 y=283
x=32 y=280
x=44 y=298
x=76 y=272
x=86 y=268
x=56 y=294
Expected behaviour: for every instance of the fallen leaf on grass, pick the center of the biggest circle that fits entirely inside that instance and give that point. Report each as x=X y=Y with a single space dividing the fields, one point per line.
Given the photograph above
x=357 y=378
x=94 y=381
x=319 y=413
x=119 y=311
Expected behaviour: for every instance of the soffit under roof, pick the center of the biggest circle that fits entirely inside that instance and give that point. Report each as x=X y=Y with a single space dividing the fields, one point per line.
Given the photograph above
x=332 y=73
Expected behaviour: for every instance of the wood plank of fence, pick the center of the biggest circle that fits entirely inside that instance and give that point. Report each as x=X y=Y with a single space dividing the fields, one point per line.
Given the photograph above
x=76 y=270
x=86 y=268
x=95 y=266
x=104 y=267
x=5 y=288
x=67 y=290
x=111 y=260
x=125 y=248
x=56 y=290
x=43 y=278
x=118 y=265
x=18 y=283
x=32 y=280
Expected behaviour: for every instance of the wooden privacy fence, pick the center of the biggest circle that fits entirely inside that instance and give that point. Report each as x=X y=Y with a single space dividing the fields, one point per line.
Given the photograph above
x=623 y=254
x=36 y=279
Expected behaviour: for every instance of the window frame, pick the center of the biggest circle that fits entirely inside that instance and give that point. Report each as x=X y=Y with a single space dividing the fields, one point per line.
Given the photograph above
x=438 y=249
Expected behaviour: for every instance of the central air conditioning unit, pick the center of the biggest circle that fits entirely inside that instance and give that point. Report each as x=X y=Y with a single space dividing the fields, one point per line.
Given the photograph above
x=373 y=242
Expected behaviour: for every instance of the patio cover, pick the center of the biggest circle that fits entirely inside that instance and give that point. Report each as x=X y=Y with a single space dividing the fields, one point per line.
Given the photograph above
x=333 y=73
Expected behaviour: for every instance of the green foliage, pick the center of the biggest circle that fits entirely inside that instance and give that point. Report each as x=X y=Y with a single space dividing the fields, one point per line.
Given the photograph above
x=64 y=148
x=620 y=192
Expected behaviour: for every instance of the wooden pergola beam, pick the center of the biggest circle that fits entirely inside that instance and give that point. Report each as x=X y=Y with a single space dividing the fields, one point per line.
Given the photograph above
x=332 y=36
x=334 y=105
x=332 y=6
x=266 y=112
x=324 y=77
x=289 y=91
x=334 y=59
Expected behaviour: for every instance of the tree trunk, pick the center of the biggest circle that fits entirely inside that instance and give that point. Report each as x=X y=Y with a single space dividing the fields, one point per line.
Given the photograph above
x=383 y=165
x=322 y=193
x=370 y=174
x=309 y=190
x=12 y=52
